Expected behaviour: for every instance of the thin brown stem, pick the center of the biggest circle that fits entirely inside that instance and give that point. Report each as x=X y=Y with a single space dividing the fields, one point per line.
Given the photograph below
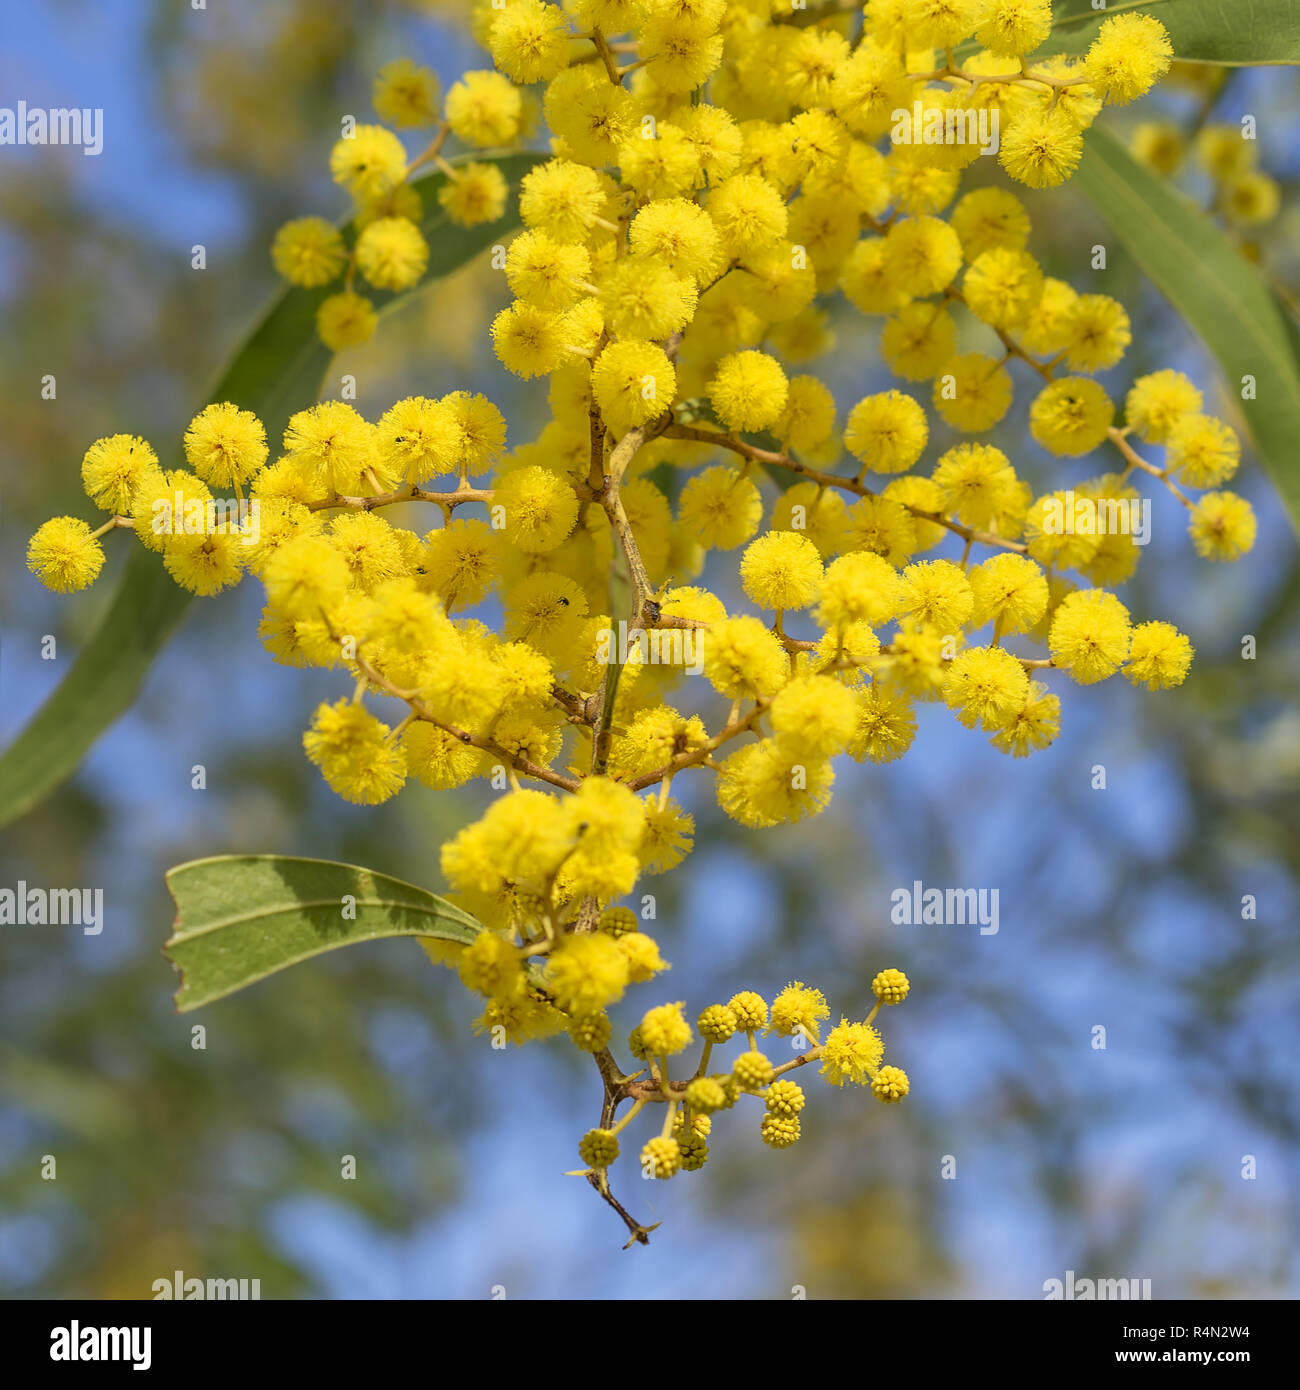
x=408 y=494
x=777 y=460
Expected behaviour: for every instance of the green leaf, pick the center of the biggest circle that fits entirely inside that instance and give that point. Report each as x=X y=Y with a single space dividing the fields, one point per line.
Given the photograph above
x=1231 y=33
x=1220 y=294
x=279 y=369
x=1235 y=33
x=242 y=917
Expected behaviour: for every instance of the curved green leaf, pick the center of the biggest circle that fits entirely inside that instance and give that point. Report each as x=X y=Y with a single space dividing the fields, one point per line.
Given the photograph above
x=1235 y=33
x=1231 y=33
x=1220 y=294
x=278 y=370
x=242 y=917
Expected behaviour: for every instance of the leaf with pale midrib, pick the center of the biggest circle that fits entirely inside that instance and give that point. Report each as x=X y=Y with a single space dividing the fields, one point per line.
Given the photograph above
x=1219 y=293
x=1231 y=33
x=240 y=918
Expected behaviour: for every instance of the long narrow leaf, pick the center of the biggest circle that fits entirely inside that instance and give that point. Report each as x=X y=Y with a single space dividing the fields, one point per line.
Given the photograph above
x=242 y=917
x=1233 y=33
x=1219 y=293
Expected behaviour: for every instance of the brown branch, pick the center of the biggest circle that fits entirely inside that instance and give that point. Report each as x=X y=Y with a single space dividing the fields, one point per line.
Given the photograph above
x=431 y=151
x=645 y=610
x=579 y=709
x=447 y=500
x=614 y=1083
x=606 y=56
x=1134 y=460
x=640 y=1234
x=776 y=460
x=702 y=753
x=421 y=711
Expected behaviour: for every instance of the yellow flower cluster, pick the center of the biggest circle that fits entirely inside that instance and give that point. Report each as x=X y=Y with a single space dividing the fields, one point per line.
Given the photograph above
x=852 y=1052
x=717 y=172
x=1243 y=193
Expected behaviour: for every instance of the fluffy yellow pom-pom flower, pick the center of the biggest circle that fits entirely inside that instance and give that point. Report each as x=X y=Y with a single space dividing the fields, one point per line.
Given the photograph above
x=665 y=1031
x=346 y=320
x=1159 y=656
x=114 y=468
x=1128 y=57
x=405 y=94
x=781 y=570
x=1090 y=635
x=749 y=390
x=64 y=555
x=633 y=382
x=1071 y=416
x=887 y=432
x=392 y=253
x=370 y=162
x=797 y=1009
x=1222 y=526
x=224 y=445
x=852 y=1052
x=308 y=251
